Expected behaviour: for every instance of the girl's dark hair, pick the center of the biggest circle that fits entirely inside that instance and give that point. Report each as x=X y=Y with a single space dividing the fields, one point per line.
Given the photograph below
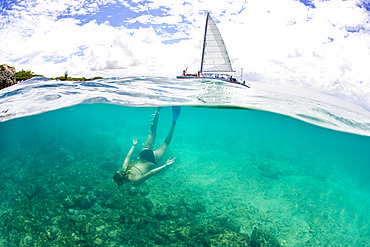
x=118 y=178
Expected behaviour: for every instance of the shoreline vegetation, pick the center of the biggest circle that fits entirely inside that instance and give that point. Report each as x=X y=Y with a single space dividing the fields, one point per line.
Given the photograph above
x=27 y=74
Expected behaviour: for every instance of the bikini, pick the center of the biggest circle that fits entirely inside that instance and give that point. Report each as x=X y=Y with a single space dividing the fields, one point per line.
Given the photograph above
x=148 y=155
x=138 y=170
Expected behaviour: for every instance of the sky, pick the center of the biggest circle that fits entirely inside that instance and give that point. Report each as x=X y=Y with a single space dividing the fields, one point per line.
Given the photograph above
x=322 y=45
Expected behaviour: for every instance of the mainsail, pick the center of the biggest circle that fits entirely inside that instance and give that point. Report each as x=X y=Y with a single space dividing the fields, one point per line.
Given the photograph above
x=214 y=57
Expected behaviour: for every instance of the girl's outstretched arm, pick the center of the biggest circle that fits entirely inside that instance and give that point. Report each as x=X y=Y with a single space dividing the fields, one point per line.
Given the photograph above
x=128 y=157
x=149 y=174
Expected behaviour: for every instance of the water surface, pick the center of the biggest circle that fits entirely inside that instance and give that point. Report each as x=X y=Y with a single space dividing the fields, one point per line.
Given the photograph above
x=240 y=167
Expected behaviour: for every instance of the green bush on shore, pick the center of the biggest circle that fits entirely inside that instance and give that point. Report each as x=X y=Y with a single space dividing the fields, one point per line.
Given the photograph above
x=63 y=78
x=24 y=75
x=27 y=74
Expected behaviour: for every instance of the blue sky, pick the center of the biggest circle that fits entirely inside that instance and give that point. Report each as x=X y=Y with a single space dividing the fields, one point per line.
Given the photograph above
x=322 y=45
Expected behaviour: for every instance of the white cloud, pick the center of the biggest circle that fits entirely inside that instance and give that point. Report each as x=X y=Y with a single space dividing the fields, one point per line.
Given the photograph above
x=284 y=42
x=313 y=48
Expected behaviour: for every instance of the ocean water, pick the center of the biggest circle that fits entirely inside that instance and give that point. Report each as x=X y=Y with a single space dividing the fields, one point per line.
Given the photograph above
x=253 y=167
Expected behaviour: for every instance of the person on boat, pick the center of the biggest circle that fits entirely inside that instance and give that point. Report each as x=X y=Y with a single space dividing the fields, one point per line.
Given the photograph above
x=146 y=164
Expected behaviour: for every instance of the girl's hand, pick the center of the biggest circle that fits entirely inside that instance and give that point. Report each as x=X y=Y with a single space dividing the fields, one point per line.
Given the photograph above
x=134 y=141
x=170 y=161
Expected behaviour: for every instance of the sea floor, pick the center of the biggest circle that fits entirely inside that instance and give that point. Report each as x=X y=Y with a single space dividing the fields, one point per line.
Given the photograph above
x=223 y=190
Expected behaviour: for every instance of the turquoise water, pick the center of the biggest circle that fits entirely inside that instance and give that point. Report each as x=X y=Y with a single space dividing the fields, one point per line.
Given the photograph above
x=240 y=176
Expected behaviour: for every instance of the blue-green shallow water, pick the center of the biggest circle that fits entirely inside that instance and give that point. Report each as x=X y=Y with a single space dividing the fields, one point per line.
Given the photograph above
x=236 y=170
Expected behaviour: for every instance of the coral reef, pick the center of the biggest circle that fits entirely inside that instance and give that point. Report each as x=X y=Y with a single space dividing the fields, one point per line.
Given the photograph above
x=72 y=206
x=262 y=238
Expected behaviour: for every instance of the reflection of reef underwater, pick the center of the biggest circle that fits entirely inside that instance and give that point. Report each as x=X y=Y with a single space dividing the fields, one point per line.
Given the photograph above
x=72 y=211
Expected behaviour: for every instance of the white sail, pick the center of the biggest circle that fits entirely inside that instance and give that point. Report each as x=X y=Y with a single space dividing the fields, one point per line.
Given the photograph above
x=214 y=57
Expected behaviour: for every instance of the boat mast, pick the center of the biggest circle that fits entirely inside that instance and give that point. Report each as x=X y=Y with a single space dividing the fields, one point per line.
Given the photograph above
x=204 y=45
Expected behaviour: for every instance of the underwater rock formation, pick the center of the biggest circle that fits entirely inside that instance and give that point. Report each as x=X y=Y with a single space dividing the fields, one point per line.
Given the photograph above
x=262 y=237
x=7 y=76
x=229 y=223
x=193 y=206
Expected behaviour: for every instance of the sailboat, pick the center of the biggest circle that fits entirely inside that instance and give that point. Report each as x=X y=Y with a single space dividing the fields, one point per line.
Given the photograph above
x=215 y=63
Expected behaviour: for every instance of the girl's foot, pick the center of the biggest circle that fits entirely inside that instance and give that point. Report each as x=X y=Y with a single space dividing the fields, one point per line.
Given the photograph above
x=176 y=113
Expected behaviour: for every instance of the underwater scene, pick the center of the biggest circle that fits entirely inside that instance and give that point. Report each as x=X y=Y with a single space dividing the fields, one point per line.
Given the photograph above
x=244 y=175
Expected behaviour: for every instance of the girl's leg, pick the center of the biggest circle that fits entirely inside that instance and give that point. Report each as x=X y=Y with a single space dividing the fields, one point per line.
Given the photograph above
x=158 y=153
x=149 y=143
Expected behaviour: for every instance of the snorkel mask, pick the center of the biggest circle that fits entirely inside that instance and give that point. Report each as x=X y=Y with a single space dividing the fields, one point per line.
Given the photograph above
x=120 y=176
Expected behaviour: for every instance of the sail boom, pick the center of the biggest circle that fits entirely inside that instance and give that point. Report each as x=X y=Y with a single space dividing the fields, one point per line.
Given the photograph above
x=217 y=70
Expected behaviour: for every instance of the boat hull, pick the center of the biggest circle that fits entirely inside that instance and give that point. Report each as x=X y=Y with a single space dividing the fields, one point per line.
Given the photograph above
x=211 y=78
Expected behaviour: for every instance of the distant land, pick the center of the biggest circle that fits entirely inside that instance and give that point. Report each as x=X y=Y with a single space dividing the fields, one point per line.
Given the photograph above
x=27 y=74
